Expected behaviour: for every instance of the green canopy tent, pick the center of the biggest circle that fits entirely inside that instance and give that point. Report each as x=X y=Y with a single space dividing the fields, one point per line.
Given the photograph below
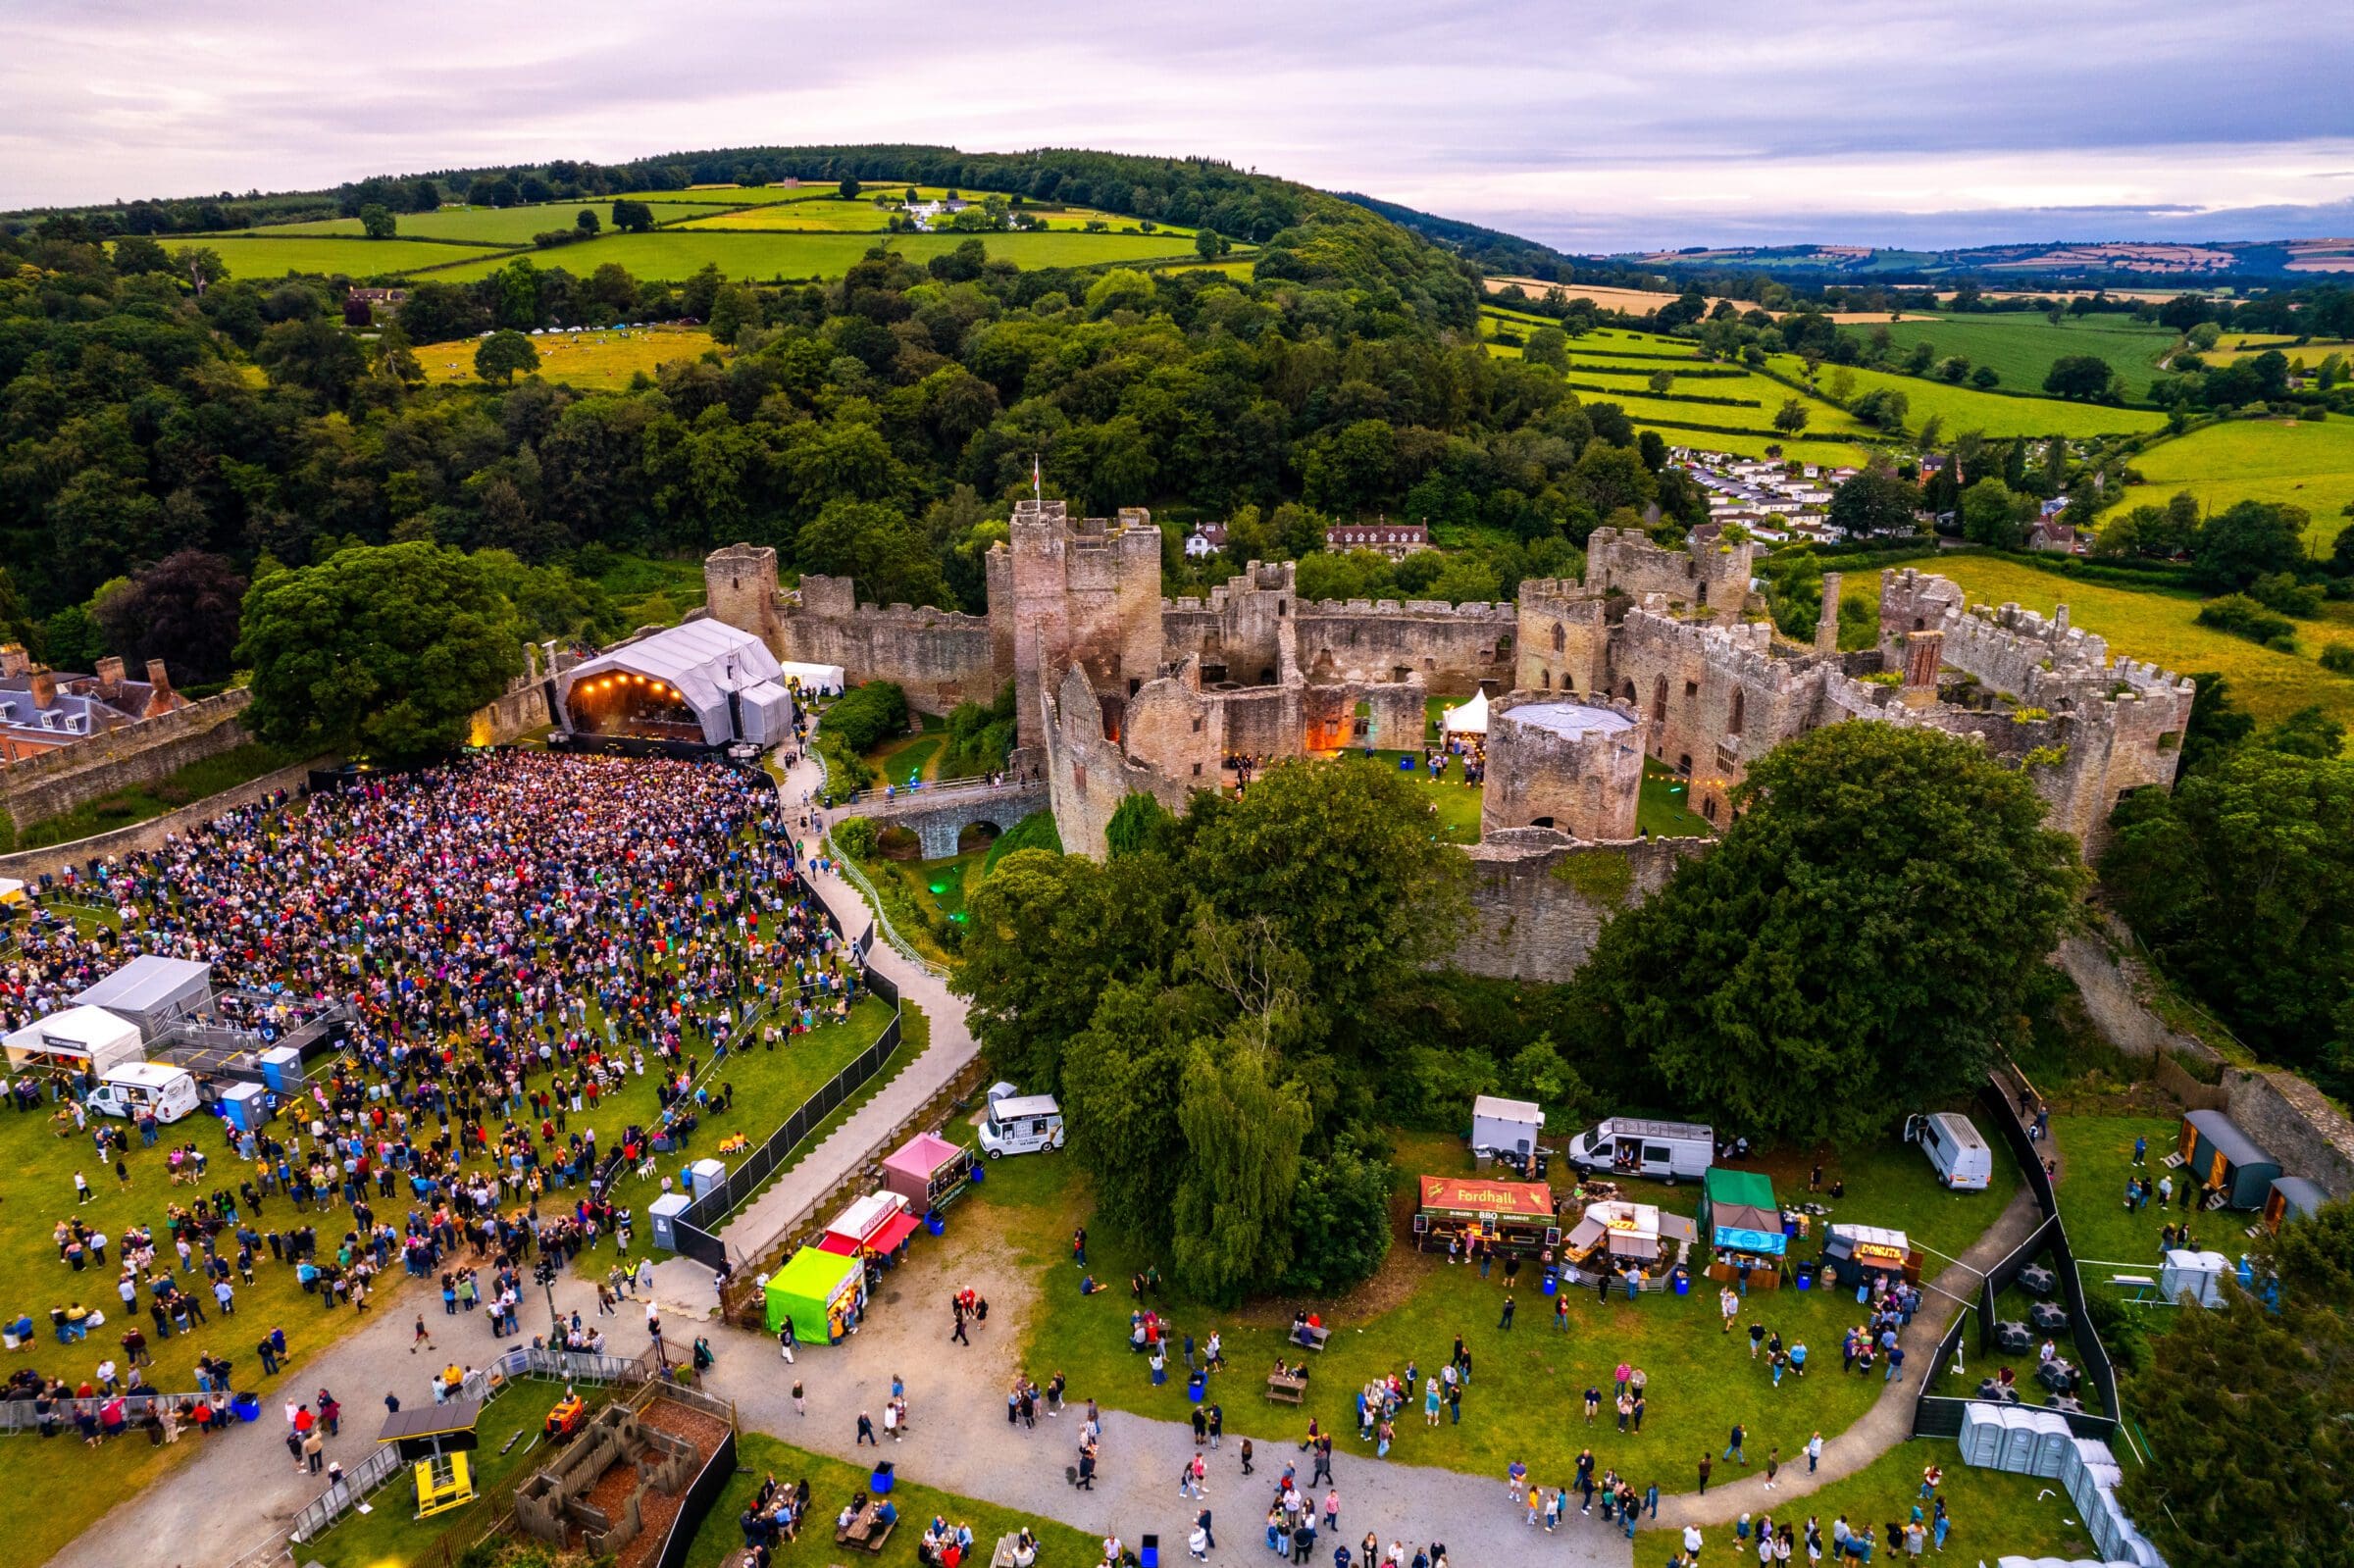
x=1742 y=1227
x=821 y=1291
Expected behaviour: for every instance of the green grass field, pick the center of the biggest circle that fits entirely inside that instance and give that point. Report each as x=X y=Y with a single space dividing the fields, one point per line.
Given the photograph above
x=357 y=259
x=822 y=214
x=1701 y=1379
x=2293 y=462
x=1994 y=1514
x=831 y=1484
x=2305 y=356
x=1662 y=811
x=499 y=225
x=601 y=359
x=2021 y=348
x=1987 y=413
x=2096 y=1156
x=2157 y=626
x=675 y=253
x=1454 y=805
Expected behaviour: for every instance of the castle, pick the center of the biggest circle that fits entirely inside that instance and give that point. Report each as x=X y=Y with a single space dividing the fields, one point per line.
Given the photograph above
x=1650 y=656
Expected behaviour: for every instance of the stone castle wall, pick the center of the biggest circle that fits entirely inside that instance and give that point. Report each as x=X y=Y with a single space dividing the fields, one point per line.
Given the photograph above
x=1084 y=594
x=1711 y=577
x=1588 y=785
x=1088 y=774
x=144 y=753
x=1562 y=638
x=2294 y=1123
x=1540 y=898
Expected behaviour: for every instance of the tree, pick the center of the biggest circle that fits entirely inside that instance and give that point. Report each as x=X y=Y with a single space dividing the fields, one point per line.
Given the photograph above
x=2079 y=376
x=1243 y=1135
x=395 y=358
x=1548 y=346
x=380 y=650
x=1339 y=1220
x=848 y=188
x=633 y=217
x=1659 y=381
x=1990 y=514
x=2246 y=541
x=1984 y=377
x=1874 y=503
x=587 y=222
x=875 y=544
x=316 y=355
x=182 y=610
x=1209 y=244
x=1854 y=947
x=504 y=355
x=377 y=222
x=1791 y=416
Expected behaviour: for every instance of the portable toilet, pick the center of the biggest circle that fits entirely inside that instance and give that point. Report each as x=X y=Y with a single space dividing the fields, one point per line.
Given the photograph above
x=666 y=1210
x=2022 y=1439
x=1982 y=1435
x=2080 y=1453
x=281 y=1069
x=2054 y=1442
x=2197 y=1275
x=2293 y=1197
x=2219 y=1157
x=245 y=1106
x=704 y=1174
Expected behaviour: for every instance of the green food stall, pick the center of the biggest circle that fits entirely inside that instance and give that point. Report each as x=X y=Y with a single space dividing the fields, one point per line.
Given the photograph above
x=821 y=1291
x=1742 y=1227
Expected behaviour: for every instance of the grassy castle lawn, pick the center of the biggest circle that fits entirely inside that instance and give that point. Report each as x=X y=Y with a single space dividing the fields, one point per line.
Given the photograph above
x=1701 y=1379
x=831 y=1484
x=2157 y=625
x=607 y=358
x=2096 y=1156
x=2291 y=462
x=1994 y=1514
x=1663 y=812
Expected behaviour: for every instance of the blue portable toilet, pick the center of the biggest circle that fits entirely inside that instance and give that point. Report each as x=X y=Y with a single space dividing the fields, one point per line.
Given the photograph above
x=665 y=1211
x=245 y=1106
x=281 y=1069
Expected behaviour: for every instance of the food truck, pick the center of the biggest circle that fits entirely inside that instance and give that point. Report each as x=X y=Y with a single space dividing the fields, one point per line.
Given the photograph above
x=877 y=1225
x=1509 y=1216
x=1614 y=1233
x=928 y=1171
x=1019 y=1123
x=157 y=1088
x=1741 y=1227
x=822 y=1292
x=1859 y=1254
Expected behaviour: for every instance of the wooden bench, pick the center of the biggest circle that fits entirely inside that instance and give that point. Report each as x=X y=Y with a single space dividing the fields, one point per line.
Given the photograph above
x=1288 y=1391
x=868 y=1531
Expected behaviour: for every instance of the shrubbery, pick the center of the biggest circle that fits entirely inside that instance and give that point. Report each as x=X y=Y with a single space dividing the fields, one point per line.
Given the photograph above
x=1033 y=831
x=2243 y=617
x=867 y=715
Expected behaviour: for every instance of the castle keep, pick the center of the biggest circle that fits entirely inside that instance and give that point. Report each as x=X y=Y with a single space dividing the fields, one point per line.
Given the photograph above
x=1121 y=690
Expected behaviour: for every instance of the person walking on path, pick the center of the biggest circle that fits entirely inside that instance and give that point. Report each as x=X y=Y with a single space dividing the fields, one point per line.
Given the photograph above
x=1734 y=1443
x=1773 y=1467
x=1706 y=1463
x=956 y=1305
x=801 y=1403
x=786 y=1341
x=1813 y=1452
x=866 y=1430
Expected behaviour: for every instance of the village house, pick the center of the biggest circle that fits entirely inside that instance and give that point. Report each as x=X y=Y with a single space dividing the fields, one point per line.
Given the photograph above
x=42 y=710
x=1397 y=540
x=1207 y=539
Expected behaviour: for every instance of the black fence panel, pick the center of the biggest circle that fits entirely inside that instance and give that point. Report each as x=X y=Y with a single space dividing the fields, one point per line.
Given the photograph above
x=703 y=1494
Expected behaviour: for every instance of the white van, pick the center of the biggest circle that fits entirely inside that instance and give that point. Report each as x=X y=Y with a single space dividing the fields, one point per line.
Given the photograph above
x=1019 y=1123
x=159 y=1089
x=1626 y=1145
x=1962 y=1160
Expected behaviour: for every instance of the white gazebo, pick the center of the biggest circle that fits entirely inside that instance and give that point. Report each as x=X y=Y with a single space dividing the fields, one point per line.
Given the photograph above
x=1470 y=719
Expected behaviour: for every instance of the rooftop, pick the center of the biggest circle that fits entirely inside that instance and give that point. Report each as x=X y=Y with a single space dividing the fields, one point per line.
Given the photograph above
x=1571 y=718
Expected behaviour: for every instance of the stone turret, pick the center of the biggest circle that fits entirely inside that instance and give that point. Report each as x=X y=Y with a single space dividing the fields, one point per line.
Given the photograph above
x=1826 y=625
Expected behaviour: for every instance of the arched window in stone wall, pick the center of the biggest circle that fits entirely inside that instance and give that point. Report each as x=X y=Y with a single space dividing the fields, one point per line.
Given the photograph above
x=1740 y=712
x=1560 y=639
x=1659 y=699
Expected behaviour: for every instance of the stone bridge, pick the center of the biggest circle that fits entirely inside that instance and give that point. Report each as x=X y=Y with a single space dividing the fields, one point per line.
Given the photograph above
x=938 y=814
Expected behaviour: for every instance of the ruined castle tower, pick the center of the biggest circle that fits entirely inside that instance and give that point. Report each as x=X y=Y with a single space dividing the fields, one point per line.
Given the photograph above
x=1574 y=766
x=1826 y=625
x=1563 y=641
x=739 y=586
x=1077 y=592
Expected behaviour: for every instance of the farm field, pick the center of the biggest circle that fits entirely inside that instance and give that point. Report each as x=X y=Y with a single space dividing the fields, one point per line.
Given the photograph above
x=2300 y=356
x=487 y=226
x=605 y=358
x=861 y=216
x=2290 y=461
x=675 y=253
x=1806 y=449
x=1987 y=413
x=248 y=257
x=1823 y=419
x=2157 y=626
x=2022 y=348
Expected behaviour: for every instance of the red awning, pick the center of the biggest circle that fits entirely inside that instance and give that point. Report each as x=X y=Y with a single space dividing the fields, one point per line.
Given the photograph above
x=898 y=1227
x=833 y=1241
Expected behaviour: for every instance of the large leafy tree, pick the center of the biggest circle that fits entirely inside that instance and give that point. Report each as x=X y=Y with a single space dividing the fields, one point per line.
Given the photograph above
x=2246 y=1413
x=1855 y=944
x=382 y=651
x=1874 y=502
x=182 y=610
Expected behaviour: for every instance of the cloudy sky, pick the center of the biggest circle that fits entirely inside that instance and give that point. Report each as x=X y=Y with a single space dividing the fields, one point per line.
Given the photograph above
x=1591 y=127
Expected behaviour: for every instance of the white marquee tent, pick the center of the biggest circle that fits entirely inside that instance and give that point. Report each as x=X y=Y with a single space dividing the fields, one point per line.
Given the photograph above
x=1472 y=718
x=706 y=661
x=80 y=1038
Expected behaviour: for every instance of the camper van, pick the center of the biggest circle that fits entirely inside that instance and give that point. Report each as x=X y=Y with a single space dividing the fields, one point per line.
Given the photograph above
x=165 y=1092
x=1019 y=1123
x=1624 y=1145
x=1963 y=1161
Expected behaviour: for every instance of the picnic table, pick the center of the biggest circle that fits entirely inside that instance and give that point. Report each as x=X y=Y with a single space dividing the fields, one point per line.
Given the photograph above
x=868 y=1531
x=1009 y=1552
x=1311 y=1335
x=1285 y=1388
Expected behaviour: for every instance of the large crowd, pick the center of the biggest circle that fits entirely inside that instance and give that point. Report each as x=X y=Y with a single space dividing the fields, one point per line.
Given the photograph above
x=521 y=937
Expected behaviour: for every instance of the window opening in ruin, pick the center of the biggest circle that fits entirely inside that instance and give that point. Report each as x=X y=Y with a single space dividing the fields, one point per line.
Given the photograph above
x=1196 y=731
x=1683 y=764
x=1279 y=609
x=1691 y=688
x=1560 y=639
x=1707 y=809
x=1542 y=822
x=1740 y=710
x=1545 y=679
x=1400 y=673
x=1703 y=596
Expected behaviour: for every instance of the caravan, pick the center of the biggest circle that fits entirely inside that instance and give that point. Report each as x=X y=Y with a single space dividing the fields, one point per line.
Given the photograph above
x=1962 y=1160
x=155 y=1088
x=1626 y=1145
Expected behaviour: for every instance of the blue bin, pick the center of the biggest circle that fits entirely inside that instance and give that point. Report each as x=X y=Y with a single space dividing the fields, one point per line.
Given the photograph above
x=1683 y=1282
x=248 y=1406
x=1196 y=1386
x=880 y=1482
x=1553 y=1281
x=980 y=1173
x=1148 y=1552
x=933 y=1223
